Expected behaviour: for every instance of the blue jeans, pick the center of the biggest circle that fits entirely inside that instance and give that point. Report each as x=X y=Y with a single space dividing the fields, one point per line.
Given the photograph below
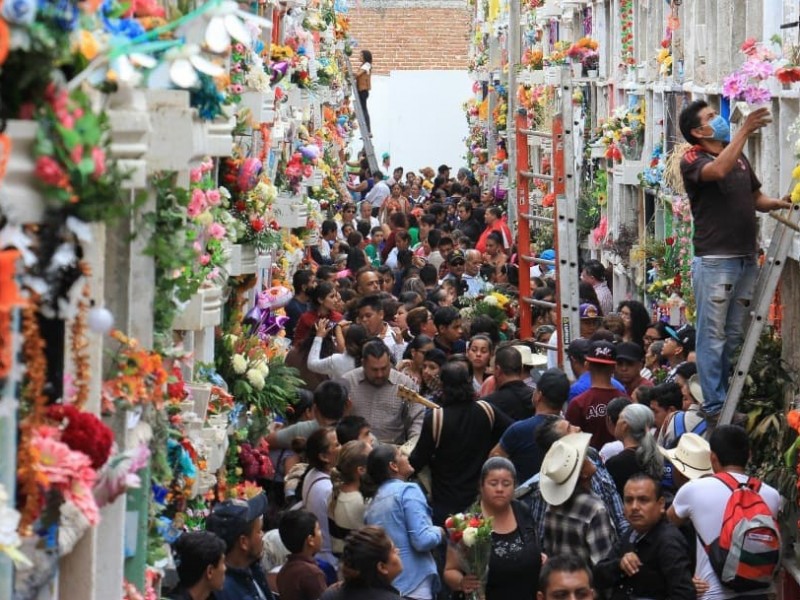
x=723 y=290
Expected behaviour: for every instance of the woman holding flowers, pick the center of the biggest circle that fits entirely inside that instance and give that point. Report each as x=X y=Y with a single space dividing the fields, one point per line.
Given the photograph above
x=516 y=558
x=401 y=509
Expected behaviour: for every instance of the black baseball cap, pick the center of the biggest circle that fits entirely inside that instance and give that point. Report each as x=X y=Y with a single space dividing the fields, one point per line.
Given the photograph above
x=456 y=256
x=232 y=518
x=630 y=352
x=443 y=168
x=686 y=336
x=578 y=349
x=602 y=353
x=554 y=385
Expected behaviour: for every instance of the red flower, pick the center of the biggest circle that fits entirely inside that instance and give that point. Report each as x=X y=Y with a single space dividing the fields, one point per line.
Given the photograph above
x=788 y=74
x=83 y=432
x=448 y=523
x=474 y=522
x=549 y=200
x=257 y=223
x=677 y=281
x=50 y=172
x=665 y=43
x=669 y=241
x=456 y=536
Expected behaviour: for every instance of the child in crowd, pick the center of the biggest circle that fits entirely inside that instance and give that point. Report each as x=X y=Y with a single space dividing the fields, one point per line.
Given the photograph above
x=300 y=578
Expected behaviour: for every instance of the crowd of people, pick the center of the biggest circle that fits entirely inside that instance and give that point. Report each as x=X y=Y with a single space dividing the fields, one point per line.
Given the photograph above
x=605 y=478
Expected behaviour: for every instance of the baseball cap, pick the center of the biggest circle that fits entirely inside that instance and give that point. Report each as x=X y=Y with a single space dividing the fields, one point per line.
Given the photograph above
x=554 y=384
x=578 y=349
x=230 y=519
x=443 y=168
x=589 y=311
x=685 y=336
x=548 y=254
x=602 y=353
x=455 y=256
x=630 y=352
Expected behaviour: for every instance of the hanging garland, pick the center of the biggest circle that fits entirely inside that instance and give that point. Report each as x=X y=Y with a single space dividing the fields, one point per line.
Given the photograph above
x=626 y=15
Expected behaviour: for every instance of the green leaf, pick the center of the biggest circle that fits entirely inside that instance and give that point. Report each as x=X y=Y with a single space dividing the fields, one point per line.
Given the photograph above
x=86 y=166
x=70 y=138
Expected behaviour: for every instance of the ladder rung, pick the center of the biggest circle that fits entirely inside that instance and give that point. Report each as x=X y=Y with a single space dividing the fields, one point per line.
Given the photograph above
x=539 y=261
x=537 y=218
x=542 y=303
x=544 y=134
x=532 y=175
x=781 y=219
x=545 y=346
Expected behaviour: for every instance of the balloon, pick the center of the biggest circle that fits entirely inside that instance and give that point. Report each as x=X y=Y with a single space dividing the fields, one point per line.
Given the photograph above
x=248 y=174
x=310 y=152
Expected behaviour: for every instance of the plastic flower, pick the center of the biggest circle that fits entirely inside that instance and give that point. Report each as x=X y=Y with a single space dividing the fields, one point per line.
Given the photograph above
x=179 y=67
x=226 y=23
x=239 y=363
x=256 y=379
x=757 y=95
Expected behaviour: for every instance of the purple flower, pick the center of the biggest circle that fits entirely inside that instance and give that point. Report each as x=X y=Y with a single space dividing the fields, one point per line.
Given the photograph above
x=754 y=94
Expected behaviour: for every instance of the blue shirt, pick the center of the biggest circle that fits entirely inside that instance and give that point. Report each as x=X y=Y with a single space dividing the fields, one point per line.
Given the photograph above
x=401 y=509
x=522 y=450
x=584 y=382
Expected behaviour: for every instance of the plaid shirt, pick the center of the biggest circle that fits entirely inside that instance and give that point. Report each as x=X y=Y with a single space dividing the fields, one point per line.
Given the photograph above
x=392 y=420
x=602 y=486
x=581 y=526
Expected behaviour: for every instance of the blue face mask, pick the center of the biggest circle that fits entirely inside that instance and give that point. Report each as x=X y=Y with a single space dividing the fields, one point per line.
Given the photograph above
x=720 y=128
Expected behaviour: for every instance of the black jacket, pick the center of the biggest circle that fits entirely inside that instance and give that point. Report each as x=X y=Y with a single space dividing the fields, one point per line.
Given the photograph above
x=240 y=584
x=515 y=399
x=344 y=592
x=665 y=574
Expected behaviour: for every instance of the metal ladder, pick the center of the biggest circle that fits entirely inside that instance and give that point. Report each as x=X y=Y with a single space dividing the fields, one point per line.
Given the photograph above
x=766 y=284
x=564 y=185
x=369 y=149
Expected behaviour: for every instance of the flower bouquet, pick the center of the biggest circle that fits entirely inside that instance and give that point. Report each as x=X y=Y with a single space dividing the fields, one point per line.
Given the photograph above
x=746 y=83
x=471 y=536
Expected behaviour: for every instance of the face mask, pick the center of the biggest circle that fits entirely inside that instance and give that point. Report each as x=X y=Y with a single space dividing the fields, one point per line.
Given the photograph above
x=720 y=128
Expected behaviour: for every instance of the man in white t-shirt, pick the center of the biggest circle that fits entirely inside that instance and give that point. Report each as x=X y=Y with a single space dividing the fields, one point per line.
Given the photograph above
x=703 y=501
x=379 y=192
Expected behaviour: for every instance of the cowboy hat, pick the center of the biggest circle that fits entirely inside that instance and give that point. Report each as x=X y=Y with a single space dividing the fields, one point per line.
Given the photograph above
x=562 y=467
x=691 y=457
x=695 y=389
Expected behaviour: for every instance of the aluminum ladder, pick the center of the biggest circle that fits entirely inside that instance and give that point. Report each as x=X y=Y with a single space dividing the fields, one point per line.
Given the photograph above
x=369 y=149
x=768 y=277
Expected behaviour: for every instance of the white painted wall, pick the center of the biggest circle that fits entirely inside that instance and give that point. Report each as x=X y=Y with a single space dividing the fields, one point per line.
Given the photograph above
x=417 y=117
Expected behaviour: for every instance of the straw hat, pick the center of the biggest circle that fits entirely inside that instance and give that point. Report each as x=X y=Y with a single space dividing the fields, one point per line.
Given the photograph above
x=562 y=467
x=692 y=456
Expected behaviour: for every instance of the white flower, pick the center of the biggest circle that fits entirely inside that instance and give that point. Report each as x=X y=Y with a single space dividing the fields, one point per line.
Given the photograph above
x=491 y=301
x=227 y=22
x=9 y=538
x=257 y=79
x=263 y=367
x=239 y=364
x=256 y=379
x=179 y=67
x=470 y=536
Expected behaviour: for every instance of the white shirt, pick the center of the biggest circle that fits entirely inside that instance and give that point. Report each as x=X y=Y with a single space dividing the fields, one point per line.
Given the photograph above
x=703 y=501
x=373 y=223
x=335 y=365
x=379 y=192
x=611 y=449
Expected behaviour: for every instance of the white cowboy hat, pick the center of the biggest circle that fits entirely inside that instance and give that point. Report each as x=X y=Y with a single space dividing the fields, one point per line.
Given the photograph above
x=529 y=359
x=695 y=389
x=562 y=467
x=691 y=457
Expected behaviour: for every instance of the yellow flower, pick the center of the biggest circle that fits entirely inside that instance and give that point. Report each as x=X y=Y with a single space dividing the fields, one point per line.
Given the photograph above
x=796 y=194
x=796 y=172
x=87 y=44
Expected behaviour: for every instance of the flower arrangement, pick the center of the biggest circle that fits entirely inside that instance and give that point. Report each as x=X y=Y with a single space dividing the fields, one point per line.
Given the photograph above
x=623 y=133
x=140 y=377
x=495 y=305
x=558 y=56
x=584 y=51
x=626 y=31
x=746 y=83
x=73 y=166
x=533 y=58
x=471 y=535
x=664 y=60
x=83 y=432
x=653 y=175
x=790 y=71
x=251 y=203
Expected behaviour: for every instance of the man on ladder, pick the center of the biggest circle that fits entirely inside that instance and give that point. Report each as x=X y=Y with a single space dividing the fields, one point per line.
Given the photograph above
x=725 y=194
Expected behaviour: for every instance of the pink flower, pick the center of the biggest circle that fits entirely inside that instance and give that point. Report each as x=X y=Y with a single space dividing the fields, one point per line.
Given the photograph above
x=197 y=204
x=216 y=231
x=757 y=69
x=49 y=171
x=195 y=175
x=80 y=494
x=213 y=197
x=76 y=155
x=99 y=157
x=205 y=259
x=749 y=46
x=733 y=85
x=66 y=119
x=197 y=247
x=754 y=94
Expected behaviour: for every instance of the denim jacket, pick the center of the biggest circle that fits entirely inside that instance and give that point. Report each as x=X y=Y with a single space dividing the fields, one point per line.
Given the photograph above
x=400 y=508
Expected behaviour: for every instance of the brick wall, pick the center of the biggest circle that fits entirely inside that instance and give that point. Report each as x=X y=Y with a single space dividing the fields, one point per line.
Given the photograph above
x=412 y=34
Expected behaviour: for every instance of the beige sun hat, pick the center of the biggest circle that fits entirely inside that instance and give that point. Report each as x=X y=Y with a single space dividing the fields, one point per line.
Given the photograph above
x=562 y=467
x=691 y=457
x=695 y=389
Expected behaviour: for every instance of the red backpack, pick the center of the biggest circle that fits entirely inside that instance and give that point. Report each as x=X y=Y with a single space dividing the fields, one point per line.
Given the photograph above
x=747 y=554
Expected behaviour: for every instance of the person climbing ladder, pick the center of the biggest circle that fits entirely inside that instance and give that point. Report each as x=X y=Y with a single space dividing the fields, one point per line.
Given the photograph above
x=364 y=84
